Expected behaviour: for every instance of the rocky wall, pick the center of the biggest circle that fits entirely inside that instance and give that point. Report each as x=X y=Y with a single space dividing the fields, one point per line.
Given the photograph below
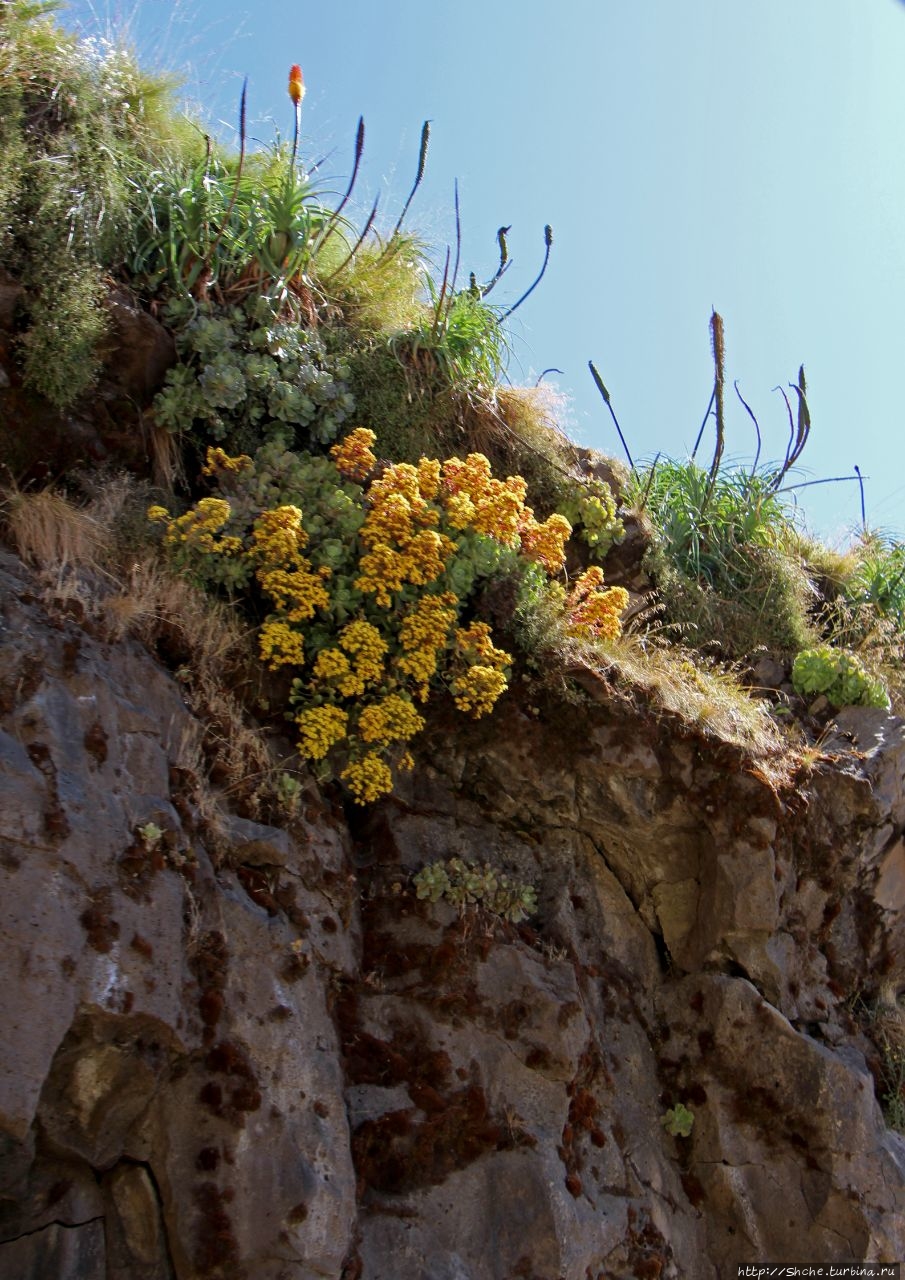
x=241 y=1051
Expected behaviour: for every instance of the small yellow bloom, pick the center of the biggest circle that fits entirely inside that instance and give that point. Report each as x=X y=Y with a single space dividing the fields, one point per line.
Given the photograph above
x=353 y=457
x=279 y=645
x=545 y=543
x=595 y=610
x=368 y=778
x=331 y=664
x=392 y=720
x=278 y=536
x=477 y=690
x=320 y=729
x=198 y=526
x=219 y=460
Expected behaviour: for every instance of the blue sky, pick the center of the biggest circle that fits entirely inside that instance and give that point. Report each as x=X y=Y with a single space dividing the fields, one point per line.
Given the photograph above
x=713 y=153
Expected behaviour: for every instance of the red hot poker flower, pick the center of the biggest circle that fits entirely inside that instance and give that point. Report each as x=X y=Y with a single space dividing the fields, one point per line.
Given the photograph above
x=296 y=84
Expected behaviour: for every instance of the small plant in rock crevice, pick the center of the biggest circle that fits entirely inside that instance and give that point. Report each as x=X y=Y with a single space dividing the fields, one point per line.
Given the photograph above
x=464 y=883
x=678 y=1121
x=893 y=1096
x=841 y=677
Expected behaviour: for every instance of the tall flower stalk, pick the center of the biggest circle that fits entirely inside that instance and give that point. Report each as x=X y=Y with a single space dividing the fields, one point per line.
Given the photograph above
x=296 y=93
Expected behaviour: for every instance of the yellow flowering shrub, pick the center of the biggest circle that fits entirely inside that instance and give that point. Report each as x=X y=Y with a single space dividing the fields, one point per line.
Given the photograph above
x=363 y=573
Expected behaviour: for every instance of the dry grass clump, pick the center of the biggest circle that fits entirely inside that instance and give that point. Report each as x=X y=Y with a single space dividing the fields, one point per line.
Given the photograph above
x=105 y=531
x=151 y=602
x=830 y=567
x=709 y=698
x=50 y=532
x=884 y=1022
x=518 y=429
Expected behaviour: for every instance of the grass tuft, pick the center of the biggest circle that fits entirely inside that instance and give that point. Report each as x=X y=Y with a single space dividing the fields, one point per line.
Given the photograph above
x=725 y=560
x=50 y=532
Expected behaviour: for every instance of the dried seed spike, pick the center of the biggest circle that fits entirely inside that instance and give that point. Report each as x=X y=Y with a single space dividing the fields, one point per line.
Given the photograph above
x=719 y=376
x=548 y=242
x=504 y=259
x=455 y=274
x=606 y=400
x=419 y=176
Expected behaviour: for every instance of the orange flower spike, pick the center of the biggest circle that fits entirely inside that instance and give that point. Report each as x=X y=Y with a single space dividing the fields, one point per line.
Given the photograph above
x=296 y=84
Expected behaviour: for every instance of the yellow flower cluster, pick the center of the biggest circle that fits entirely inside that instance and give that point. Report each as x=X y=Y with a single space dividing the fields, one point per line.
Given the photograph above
x=400 y=534
x=218 y=461
x=545 y=543
x=368 y=778
x=278 y=536
x=422 y=634
x=285 y=574
x=367 y=647
x=429 y=478
x=593 y=610
x=198 y=526
x=474 y=499
x=332 y=664
x=351 y=676
x=279 y=645
x=391 y=720
x=320 y=729
x=476 y=689
x=476 y=643
x=353 y=456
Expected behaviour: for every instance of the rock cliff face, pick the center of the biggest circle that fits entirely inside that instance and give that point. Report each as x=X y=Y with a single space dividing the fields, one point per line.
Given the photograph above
x=232 y=1050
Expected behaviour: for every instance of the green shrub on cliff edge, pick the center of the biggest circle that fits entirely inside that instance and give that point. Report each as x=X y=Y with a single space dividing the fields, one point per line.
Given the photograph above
x=77 y=119
x=725 y=557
